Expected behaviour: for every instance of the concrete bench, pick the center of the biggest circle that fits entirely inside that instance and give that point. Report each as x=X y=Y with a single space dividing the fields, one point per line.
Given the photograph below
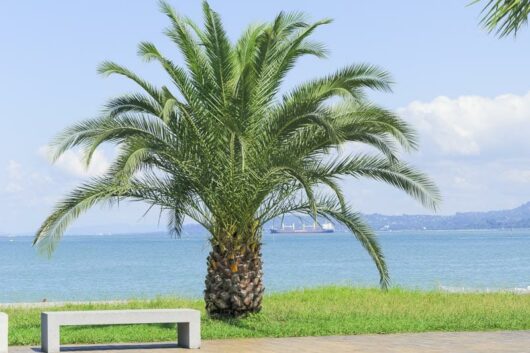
x=3 y=333
x=188 y=323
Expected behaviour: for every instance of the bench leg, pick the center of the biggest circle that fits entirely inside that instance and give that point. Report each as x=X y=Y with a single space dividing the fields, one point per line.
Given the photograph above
x=50 y=335
x=189 y=334
x=3 y=332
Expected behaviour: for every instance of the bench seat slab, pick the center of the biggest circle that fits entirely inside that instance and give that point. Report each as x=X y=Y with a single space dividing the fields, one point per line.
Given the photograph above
x=188 y=323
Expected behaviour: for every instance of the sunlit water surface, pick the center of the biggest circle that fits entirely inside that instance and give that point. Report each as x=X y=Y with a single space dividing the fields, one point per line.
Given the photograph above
x=140 y=266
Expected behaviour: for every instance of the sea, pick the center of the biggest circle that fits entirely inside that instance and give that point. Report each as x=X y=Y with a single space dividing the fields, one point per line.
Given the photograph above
x=137 y=266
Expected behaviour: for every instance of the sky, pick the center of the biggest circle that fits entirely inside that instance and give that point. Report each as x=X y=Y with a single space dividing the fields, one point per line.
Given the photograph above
x=466 y=92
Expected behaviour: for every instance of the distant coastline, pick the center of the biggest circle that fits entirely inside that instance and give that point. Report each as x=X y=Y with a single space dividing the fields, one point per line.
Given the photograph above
x=516 y=218
x=340 y=230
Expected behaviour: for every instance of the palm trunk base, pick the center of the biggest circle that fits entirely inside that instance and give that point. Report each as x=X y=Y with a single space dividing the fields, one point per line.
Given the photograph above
x=234 y=283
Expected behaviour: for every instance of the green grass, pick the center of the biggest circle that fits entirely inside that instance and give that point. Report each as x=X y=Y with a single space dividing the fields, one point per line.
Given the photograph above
x=314 y=312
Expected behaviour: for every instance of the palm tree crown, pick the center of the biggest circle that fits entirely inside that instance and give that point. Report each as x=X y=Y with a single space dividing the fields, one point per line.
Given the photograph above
x=223 y=147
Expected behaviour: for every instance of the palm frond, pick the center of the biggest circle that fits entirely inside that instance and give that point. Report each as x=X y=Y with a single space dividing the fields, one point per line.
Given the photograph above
x=135 y=103
x=504 y=17
x=108 y=68
x=70 y=208
x=395 y=173
x=364 y=235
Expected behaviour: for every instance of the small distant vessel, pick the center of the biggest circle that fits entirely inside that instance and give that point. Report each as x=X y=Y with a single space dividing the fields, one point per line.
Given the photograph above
x=315 y=228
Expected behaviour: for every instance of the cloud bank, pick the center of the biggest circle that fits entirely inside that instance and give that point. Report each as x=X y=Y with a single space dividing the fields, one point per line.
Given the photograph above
x=476 y=148
x=472 y=125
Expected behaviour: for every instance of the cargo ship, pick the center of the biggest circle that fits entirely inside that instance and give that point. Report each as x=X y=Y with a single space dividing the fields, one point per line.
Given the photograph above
x=315 y=228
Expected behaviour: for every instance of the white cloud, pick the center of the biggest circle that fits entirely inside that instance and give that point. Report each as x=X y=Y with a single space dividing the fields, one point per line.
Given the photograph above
x=518 y=175
x=477 y=149
x=72 y=162
x=14 y=169
x=13 y=187
x=472 y=125
x=14 y=176
x=19 y=179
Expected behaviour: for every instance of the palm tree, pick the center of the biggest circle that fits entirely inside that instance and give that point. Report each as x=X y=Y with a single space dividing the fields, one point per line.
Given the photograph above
x=224 y=148
x=504 y=16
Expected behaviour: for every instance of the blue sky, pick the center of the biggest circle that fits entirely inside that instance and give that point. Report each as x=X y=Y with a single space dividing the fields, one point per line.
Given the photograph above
x=466 y=91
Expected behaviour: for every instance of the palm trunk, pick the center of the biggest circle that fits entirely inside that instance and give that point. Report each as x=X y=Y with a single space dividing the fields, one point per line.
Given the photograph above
x=234 y=282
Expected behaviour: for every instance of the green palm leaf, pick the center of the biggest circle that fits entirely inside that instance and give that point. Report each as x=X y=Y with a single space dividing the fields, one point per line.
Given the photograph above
x=504 y=17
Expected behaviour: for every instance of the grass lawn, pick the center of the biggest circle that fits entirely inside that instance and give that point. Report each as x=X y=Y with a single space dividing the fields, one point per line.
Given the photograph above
x=314 y=312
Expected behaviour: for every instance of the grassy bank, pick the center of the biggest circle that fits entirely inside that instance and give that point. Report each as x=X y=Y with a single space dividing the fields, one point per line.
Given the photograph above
x=322 y=311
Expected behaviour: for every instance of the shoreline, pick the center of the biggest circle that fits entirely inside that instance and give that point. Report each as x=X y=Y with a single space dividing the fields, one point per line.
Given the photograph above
x=51 y=304
x=439 y=289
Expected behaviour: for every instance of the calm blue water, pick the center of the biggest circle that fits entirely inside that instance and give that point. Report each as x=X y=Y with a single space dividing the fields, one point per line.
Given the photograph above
x=137 y=266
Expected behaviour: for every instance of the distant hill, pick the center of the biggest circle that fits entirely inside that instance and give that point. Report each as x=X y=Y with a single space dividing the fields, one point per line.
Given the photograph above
x=515 y=218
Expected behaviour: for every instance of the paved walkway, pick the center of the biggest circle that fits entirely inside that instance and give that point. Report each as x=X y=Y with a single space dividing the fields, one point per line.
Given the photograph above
x=458 y=342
